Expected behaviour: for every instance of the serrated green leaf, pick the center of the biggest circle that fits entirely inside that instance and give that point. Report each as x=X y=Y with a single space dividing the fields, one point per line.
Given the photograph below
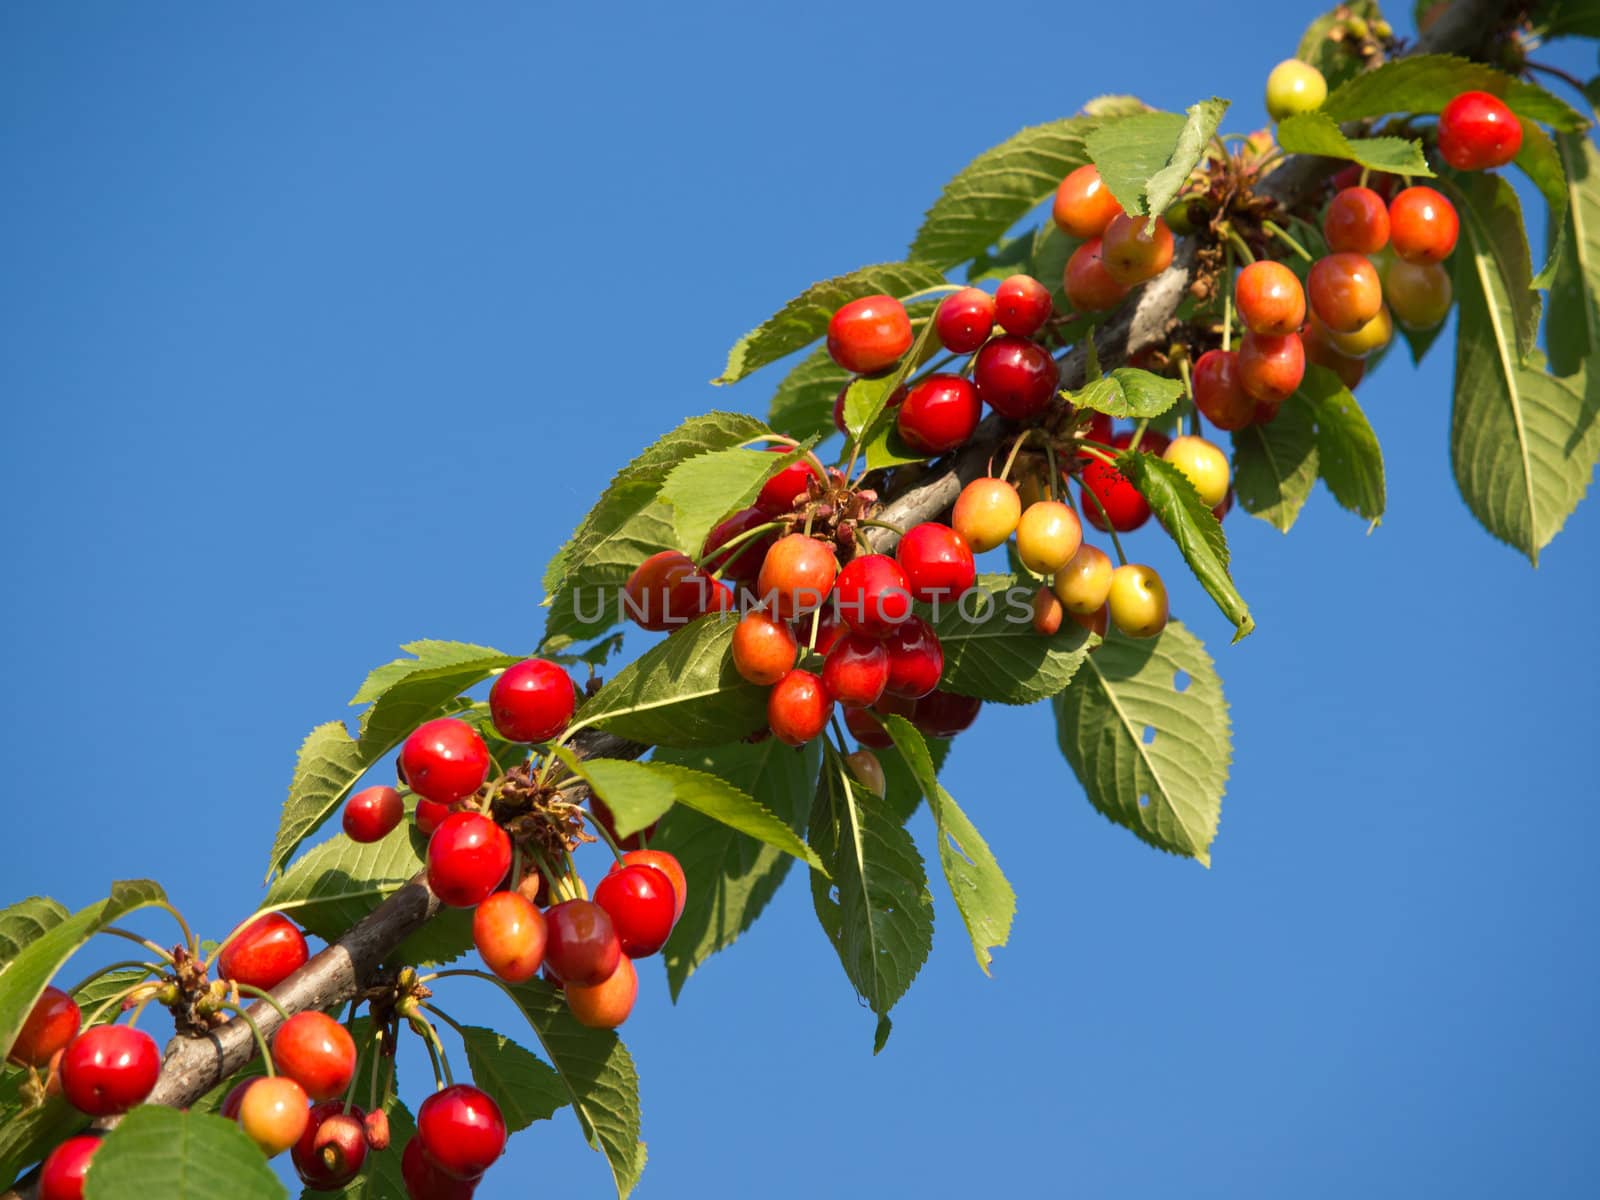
x=525 y=1088
x=328 y=765
x=902 y=793
x=1199 y=126
x=1146 y=157
x=27 y=921
x=1128 y=392
x=1317 y=133
x=995 y=189
x=991 y=651
x=1493 y=231
x=1168 y=790
x=885 y=447
x=1275 y=465
x=27 y=1133
x=1425 y=83
x=408 y=691
x=700 y=491
x=1348 y=456
x=1541 y=163
x=1572 y=327
x=1193 y=527
x=681 y=692
x=177 y=1155
x=802 y=405
x=103 y=989
x=982 y=894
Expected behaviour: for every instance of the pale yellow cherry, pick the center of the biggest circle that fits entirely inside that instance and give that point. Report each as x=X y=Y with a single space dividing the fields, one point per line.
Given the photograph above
x=1295 y=87
x=986 y=513
x=1085 y=582
x=1364 y=342
x=1203 y=464
x=1138 y=600
x=1048 y=536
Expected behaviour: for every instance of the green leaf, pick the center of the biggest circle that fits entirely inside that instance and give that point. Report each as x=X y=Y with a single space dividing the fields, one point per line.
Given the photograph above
x=1167 y=790
x=1128 y=392
x=526 y=1089
x=598 y=1074
x=1145 y=158
x=1275 y=465
x=1317 y=133
x=105 y=988
x=1568 y=18
x=1541 y=162
x=1572 y=327
x=877 y=911
x=1425 y=83
x=27 y=1134
x=409 y=691
x=211 y=1102
x=329 y=764
x=700 y=491
x=994 y=190
x=1493 y=232
x=176 y=1155
x=991 y=651
x=1115 y=105
x=902 y=793
x=805 y=318
x=982 y=894
x=802 y=407
x=1193 y=526
x=731 y=876
x=681 y=692
x=24 y=922
x=1348 y=455
x=885 y=448
x=35 y=964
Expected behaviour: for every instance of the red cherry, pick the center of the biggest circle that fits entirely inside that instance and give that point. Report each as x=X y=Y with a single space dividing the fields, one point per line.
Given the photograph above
x=964 y=320
x=1084 y=205
x=429 y=816
x=939 y=413
x=668 y=865
x=1423 y=225
x=945 y=714
x=1087 y=283
x=1129 y=254
x=872 y=595
x=743 y=563
x=316 y=1052
x=264 y=953
x=938 y=564
x=109 y=1069
x=532 y=701
x=605 y=1005
x=424 y=1181
x=1123 y=503
x=1357 y=221
x=1379 y=181
x=1097 y=430
x=778 y=494
x=1218 y=392
x=642 y=907
x=1477 y=132
x=1270 y=298
x=869 y=334
x=798 y=707
x=1015 y=377
x=796 y=575
x=445 y=760
x=829 y=629
x=509 y=933
x=916 y=659
x=461 y=1130
x=651 y=595
x=838 y=409
x=763 y=649
x=51 y=1024
x=468 y=856
x=1022 y=305
x=377 y=1128
x=1271 y=368
x=856 y=670
x=867 y=729
x=235 y=1097
x=333 y=1148
x=581 y=945
x=1345 y=292
x=372 y=814
x=61 y=1176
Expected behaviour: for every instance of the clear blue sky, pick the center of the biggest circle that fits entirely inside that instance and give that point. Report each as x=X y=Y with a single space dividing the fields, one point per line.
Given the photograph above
x=322 y=329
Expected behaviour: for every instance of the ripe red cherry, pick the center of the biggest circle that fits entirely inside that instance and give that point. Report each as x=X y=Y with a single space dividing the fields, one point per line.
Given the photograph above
x=798 y=708
x=778 y=494
x=945 y=714
x=1084 y=205
x=445 y=760
x=461 y=1130
x=1357 y=221
x=1345 y=292
x=61 y=1176
x=937 y=563
x=581 y=943
x=872 y=595
x=797 y=575
x=1423 y=225
x=743 y=563
x=763 y=649
x=430 y=816
x=856 y=670
x=1087 y=283
x=1478 y=132
x=1015 y=377
x=1022 y=305
x=867 y=729
x=829 y=629
x=372 y=814
x=264 y=953
x=1379 y=181
x=1270 y=298
x=235 y=1097
x=333 y=1148
x=916 y=659
x=665 y=592
x=642 y=906
x=468 y=856
x=532 y=701
x=424 y=1181
x=668 y=865
x=939 y=413
x=964 y=320
x=509 y=933
x=605 y=1005
x=1131 y=255
x=1218 y=393
x=869 y=334
x=109 y=1069
x=316 y=1052
x=1271 y=368
x=1123 y=503
x=52 y=1023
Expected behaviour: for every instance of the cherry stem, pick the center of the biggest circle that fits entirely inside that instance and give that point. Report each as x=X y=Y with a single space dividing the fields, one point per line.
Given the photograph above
x=246 y=989
x=1564 y=76
x=1283 y=236
x=115 y=931
x=734 y=543
x=1238 y=243
x=1050 y=458
x=126 y=964
x=816 y=626
x=1138 y=434
x=883 y=525
x=937 y=289
x=114 y=1002
x=1111 y=529
x=255 y=1032
x=372 y=1077
x=1188 y=391
x=188 y=934
x=605 y=836
x=1227 y=302
x=430 y=1038
x=1011 y=459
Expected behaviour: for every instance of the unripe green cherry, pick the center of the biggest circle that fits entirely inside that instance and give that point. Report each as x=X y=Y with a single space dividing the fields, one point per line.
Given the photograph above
x=1419 y=294
x=1048 y=536
x=1294 y=87
x=1203 y=464
x=1138 y=600
x=1085 y=582
x=986 y=513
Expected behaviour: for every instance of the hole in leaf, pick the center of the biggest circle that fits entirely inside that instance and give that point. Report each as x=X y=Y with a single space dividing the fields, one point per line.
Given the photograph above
x=1149 y=734
x=1144 y=801
x=1180 y=681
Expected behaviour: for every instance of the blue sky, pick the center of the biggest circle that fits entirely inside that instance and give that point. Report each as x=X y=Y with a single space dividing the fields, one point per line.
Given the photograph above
x=324 y=327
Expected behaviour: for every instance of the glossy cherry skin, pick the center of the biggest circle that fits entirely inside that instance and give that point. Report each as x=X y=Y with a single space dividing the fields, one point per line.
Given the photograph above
x=964 y=320
x=1138 y=601
x=316 y=1052
x=1015 y=377
x=1218 y=392
x=51 y=1025
x=109 y=1069
x=798 y=708
x=1087 y=283
x=1130 y=255
x=856 y=670
x=532 y=701
x=763 y=649
x=461 y=1130
x=1419 y=294
x=424 y=1181
x=1423 y=225
x=1478 y=132
x=1084 y=205
x=986 y=513
x=778 y=494
x=651 y=596
x=829 y=629
x=1364 y=342
x=945 y=714
x=1047 y=612
x=1271 y=368
x=605 y=1005
x=61 y=1176
x=273 y=1113
x=668 y=865
x=916 y=659
x=1096 y=622
x=642 y=906
x=1204 y=465
x=429 y=816
x=1270 y=298
x=869 y=334
x=743 y=563
x=1295 y=87
x=372 y=814
x=1022 y=305
x=264 y=953
x=796 y=575
x=868 y=771
x=938 y=414
x=867 y=729
x=468 y=857
x=582 y=945
x=1357 y=221
x=229 y=1109
x=445 y=760
x=1083 y=584
x=510 y=935
x=872 y=595
x=1124 y=504
x=333 y=1148
x=937 y=563
x=1048 y=536
x=1345 y=291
